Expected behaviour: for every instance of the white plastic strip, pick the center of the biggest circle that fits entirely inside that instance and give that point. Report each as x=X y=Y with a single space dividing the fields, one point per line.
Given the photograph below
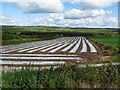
x=45 y=46
x=58 y=48
x=92 y=48
x=68 y=47
x=42 y=58
x=73 y=50
x=45 y=55
x=44 y=50
x=33 y=62
x=84 y=46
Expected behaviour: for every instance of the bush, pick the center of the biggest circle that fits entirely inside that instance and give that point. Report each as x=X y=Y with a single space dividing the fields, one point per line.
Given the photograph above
x=108 y=75
x=66 y=76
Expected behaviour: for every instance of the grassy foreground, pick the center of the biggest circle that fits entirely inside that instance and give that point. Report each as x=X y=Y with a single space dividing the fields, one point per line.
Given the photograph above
x=66 y=76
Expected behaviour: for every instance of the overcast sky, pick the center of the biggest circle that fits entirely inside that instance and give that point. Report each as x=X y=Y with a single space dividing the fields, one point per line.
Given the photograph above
x=70 y=13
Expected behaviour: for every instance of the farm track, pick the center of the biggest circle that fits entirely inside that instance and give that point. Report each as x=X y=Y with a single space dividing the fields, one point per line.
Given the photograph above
x=56 y=51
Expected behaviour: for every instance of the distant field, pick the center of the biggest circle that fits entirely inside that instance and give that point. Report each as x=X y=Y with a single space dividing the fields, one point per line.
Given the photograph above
x=112 y=40
x=16 y=35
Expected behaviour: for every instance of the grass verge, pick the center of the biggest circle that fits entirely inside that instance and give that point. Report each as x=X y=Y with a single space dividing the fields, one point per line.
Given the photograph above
x=66 y=76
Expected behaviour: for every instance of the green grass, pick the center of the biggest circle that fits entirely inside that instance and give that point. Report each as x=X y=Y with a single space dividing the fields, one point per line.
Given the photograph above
x=17 y=39
x=66 y=76
x=111 y=40
x=24 y=39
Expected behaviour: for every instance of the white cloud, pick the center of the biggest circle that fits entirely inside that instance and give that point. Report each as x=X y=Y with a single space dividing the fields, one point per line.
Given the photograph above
x=93 y=4
x=100 y=21
x=75 y=1
x=99 y=3
x=57 y=16
x=8 y=0
x=5 y=20
x=39 y=6
x=96 y=22
x=79 y=14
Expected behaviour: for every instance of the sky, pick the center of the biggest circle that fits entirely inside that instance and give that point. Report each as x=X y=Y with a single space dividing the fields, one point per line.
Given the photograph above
x=62 y=13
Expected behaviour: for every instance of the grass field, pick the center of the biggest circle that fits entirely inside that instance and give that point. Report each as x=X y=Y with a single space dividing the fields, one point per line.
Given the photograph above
x=111 y=40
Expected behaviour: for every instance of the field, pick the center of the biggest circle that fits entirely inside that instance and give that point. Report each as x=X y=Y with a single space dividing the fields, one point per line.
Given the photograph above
x=15 y=35
x=53 y=51
x=29 y=50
